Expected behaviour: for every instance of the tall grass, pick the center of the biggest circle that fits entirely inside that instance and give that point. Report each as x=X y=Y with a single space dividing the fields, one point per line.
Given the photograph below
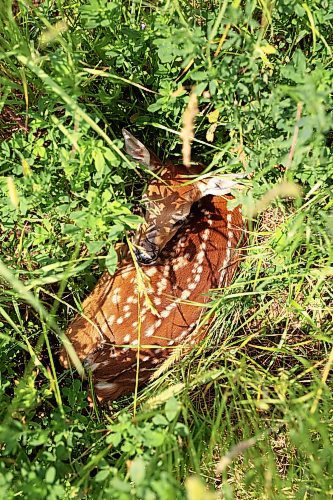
x=248 y=413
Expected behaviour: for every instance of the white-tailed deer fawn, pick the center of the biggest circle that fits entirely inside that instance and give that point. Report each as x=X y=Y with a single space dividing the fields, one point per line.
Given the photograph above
x=190 y=248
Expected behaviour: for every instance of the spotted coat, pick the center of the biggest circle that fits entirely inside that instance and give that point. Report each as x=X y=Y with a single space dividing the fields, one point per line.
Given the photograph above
x=118 y=324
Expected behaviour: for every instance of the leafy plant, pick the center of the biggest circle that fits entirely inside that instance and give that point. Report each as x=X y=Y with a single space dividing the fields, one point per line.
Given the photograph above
x=248 y=413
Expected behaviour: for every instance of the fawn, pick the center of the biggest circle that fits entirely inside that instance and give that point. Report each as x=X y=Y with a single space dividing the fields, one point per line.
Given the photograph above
x=188 y=244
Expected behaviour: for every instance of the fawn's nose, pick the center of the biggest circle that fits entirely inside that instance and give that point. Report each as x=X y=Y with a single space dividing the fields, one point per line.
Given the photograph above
x=145 y=258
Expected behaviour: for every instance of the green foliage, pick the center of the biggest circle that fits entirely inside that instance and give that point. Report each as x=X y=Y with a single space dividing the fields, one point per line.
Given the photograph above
x=72 y=74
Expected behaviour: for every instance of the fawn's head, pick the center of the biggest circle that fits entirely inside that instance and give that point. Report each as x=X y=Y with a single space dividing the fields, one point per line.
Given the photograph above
x=168 y=199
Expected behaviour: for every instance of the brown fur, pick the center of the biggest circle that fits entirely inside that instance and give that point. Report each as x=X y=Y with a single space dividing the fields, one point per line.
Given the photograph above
x=125 y=326
x=105 y=344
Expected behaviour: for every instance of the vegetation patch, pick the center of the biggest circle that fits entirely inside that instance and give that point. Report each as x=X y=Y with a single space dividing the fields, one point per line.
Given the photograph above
x=248 y=413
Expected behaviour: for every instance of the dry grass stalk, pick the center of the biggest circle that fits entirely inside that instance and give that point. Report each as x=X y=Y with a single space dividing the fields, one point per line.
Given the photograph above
x=170 y=360
x=233 y=453
x=161 y=398
x=282 y=190
x=187 y=132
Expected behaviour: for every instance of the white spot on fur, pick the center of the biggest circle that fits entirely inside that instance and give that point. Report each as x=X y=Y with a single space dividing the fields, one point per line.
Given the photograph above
x=201 y=255
x=127 y=338
x=120 y=320
x=151 y=271
x=185 y=294
x=108 y=323
x=182 y=335
x=180 y=262
x=205 y=234
x=116 y=296
x=150 y=331
x=106 y=385
x=161 y=286
x=163 y=283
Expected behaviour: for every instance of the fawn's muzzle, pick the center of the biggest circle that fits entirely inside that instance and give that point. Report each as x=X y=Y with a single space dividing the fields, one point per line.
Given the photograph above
x=147 y=253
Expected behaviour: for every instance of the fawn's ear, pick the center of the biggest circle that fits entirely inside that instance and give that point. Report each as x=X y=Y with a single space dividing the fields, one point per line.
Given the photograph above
x=218 y=186
x=136 y=149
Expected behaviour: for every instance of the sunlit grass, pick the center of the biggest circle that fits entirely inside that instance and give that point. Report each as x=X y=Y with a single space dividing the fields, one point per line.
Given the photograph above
x=248 y=412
